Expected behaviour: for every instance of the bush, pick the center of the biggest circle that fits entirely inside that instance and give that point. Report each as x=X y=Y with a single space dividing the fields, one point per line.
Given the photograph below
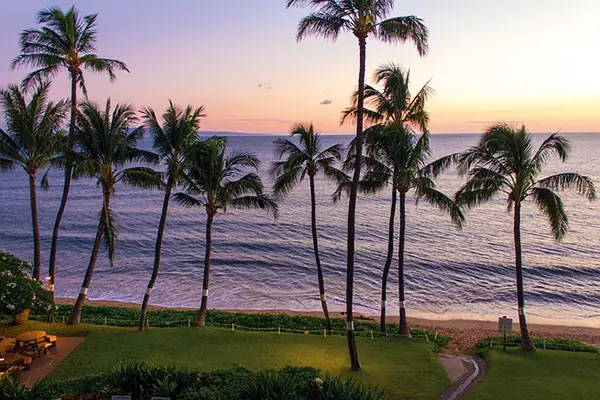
x=129 y=317
x=143 y=380
x=19 y=290
x=548 y=344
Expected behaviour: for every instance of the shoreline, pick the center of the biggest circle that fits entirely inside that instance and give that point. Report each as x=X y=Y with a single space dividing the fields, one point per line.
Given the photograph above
x=465 y=333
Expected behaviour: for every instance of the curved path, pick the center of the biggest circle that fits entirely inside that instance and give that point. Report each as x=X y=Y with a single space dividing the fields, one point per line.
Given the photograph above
x=464 y=371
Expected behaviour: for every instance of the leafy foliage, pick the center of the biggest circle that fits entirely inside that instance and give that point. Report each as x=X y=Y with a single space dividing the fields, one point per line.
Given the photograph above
x=542 y=343
x=19 y=290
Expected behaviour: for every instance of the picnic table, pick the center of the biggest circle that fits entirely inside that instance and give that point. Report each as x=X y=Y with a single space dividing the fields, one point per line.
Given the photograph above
x=13 y=361
x=34 y=343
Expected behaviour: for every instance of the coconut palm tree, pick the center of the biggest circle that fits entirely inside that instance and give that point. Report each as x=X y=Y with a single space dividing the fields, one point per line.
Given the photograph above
x=393 y=105
x=107 y=146
x=307 y=158
x=66 y=41
x=364 y=19
x=505 y=162
x=31 y=141
x=216 y=181
x=171 y=139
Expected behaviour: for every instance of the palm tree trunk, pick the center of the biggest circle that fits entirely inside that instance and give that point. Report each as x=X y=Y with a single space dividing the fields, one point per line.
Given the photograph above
x=66 y=187
x=36 y=227
x=526 y=341
x=78 y=307
x=388 y=262
x=404 y=329
x=157 y=250
x=313 y=220
x=201 y=317
x=354 y=363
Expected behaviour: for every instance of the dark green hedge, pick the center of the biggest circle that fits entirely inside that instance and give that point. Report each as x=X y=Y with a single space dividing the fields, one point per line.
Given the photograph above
x=541 y=343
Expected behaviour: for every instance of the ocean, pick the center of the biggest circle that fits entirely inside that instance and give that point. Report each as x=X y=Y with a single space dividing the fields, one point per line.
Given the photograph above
x=262 y=263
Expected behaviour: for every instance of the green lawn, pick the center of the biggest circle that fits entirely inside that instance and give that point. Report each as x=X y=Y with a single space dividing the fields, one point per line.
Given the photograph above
x=407 y=369
x=544 y=375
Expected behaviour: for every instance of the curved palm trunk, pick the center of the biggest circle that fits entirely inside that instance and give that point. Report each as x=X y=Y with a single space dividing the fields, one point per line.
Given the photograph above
x=313 y=220
x=201 y=317
x=404 y=329
x=526 y=341
x=75 y=317
x=66 y=188
x=354 y=363
x=388 y=262
x=36 y=227
x=157 y=250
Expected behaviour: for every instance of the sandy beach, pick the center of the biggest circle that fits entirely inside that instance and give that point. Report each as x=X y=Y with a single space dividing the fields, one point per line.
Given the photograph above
x=465 y=333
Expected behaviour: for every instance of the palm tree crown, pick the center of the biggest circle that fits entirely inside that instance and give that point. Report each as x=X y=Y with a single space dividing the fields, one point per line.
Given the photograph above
x=107 y=147
x=505 y=162
x=34 y=135
x=220 y=180
x=362 y=18
x=306 y=159
x=66 y=41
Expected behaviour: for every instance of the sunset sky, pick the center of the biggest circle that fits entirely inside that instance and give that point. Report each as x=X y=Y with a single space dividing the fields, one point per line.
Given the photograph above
x=535 y=62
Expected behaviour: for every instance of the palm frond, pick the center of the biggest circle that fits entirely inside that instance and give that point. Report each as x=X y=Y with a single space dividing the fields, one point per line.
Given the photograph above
x=439 y=166
x=551 y=205
x=262 y=202
x=584 y=185
x=142 y=178
x=322 y=24
x=553 y=145
x=403 y=29
x=108 y=222
x=186 y=200
x=443 y=202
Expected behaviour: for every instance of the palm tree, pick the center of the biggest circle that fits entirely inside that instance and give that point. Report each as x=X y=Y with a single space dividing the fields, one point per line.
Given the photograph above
x=364 y=19
x=171 y=139
x=218 y=181
x=64 y=42
x=307 y=159
x=393 y=105
x=32 y=141
x=106 y=147
x=505 y=162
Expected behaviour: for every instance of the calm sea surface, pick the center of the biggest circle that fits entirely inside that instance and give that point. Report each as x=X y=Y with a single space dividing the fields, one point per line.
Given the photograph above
x=260 y=263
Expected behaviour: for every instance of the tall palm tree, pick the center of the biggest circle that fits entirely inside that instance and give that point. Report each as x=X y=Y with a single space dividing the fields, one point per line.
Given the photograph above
x=217 y=181
x=107 y=146
x=64 y=42
x=171 y=139
x=505 y=162
x=31 y=141
x=394 y=105
x=364 y=19
x=307 y=158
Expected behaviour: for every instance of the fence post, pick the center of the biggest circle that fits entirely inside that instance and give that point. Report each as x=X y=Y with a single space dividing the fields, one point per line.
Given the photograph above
x=426 y=338
x=189 y=322
x=104 y=320
x=279 y=330
x=371 y=334
x=325 y=333
x=435 y=347
x=491 y=343
x=63 y=319
x=232 y=327
x=147 y=322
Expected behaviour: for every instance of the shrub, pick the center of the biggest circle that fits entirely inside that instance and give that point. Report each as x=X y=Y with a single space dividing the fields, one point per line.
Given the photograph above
x=12 y=389
x=548 y=344
x=19 y=290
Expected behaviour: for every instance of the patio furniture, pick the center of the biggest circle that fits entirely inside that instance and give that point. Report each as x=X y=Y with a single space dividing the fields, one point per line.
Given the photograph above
x=7 y=345
x=32 y=343
x=13 y=362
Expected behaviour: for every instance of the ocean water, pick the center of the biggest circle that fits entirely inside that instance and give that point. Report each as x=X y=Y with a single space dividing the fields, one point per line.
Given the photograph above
x=262 y=263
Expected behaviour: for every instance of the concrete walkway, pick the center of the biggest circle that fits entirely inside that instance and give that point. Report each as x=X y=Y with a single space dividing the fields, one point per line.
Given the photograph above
x=463 y=371
x=44 y=365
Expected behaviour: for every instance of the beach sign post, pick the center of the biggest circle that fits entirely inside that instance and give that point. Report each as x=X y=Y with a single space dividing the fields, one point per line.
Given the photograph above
x=505 y=328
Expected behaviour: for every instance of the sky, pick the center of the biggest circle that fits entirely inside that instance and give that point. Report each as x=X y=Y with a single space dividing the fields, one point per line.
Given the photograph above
x=535 y=62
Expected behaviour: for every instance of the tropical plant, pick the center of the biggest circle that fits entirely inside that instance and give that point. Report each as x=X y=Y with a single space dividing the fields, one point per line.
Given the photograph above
x=394 y=105
x=177 y=133
x=506 y=163
x=364 y=19
x=31 y=141
x=307 y=158
x=64 y=42
x=107 y=145
x=216 y=181
x=20 y=291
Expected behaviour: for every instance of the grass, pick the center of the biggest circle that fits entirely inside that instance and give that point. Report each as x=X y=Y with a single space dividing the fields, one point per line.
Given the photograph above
x=545 y=375
x=406 y=369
